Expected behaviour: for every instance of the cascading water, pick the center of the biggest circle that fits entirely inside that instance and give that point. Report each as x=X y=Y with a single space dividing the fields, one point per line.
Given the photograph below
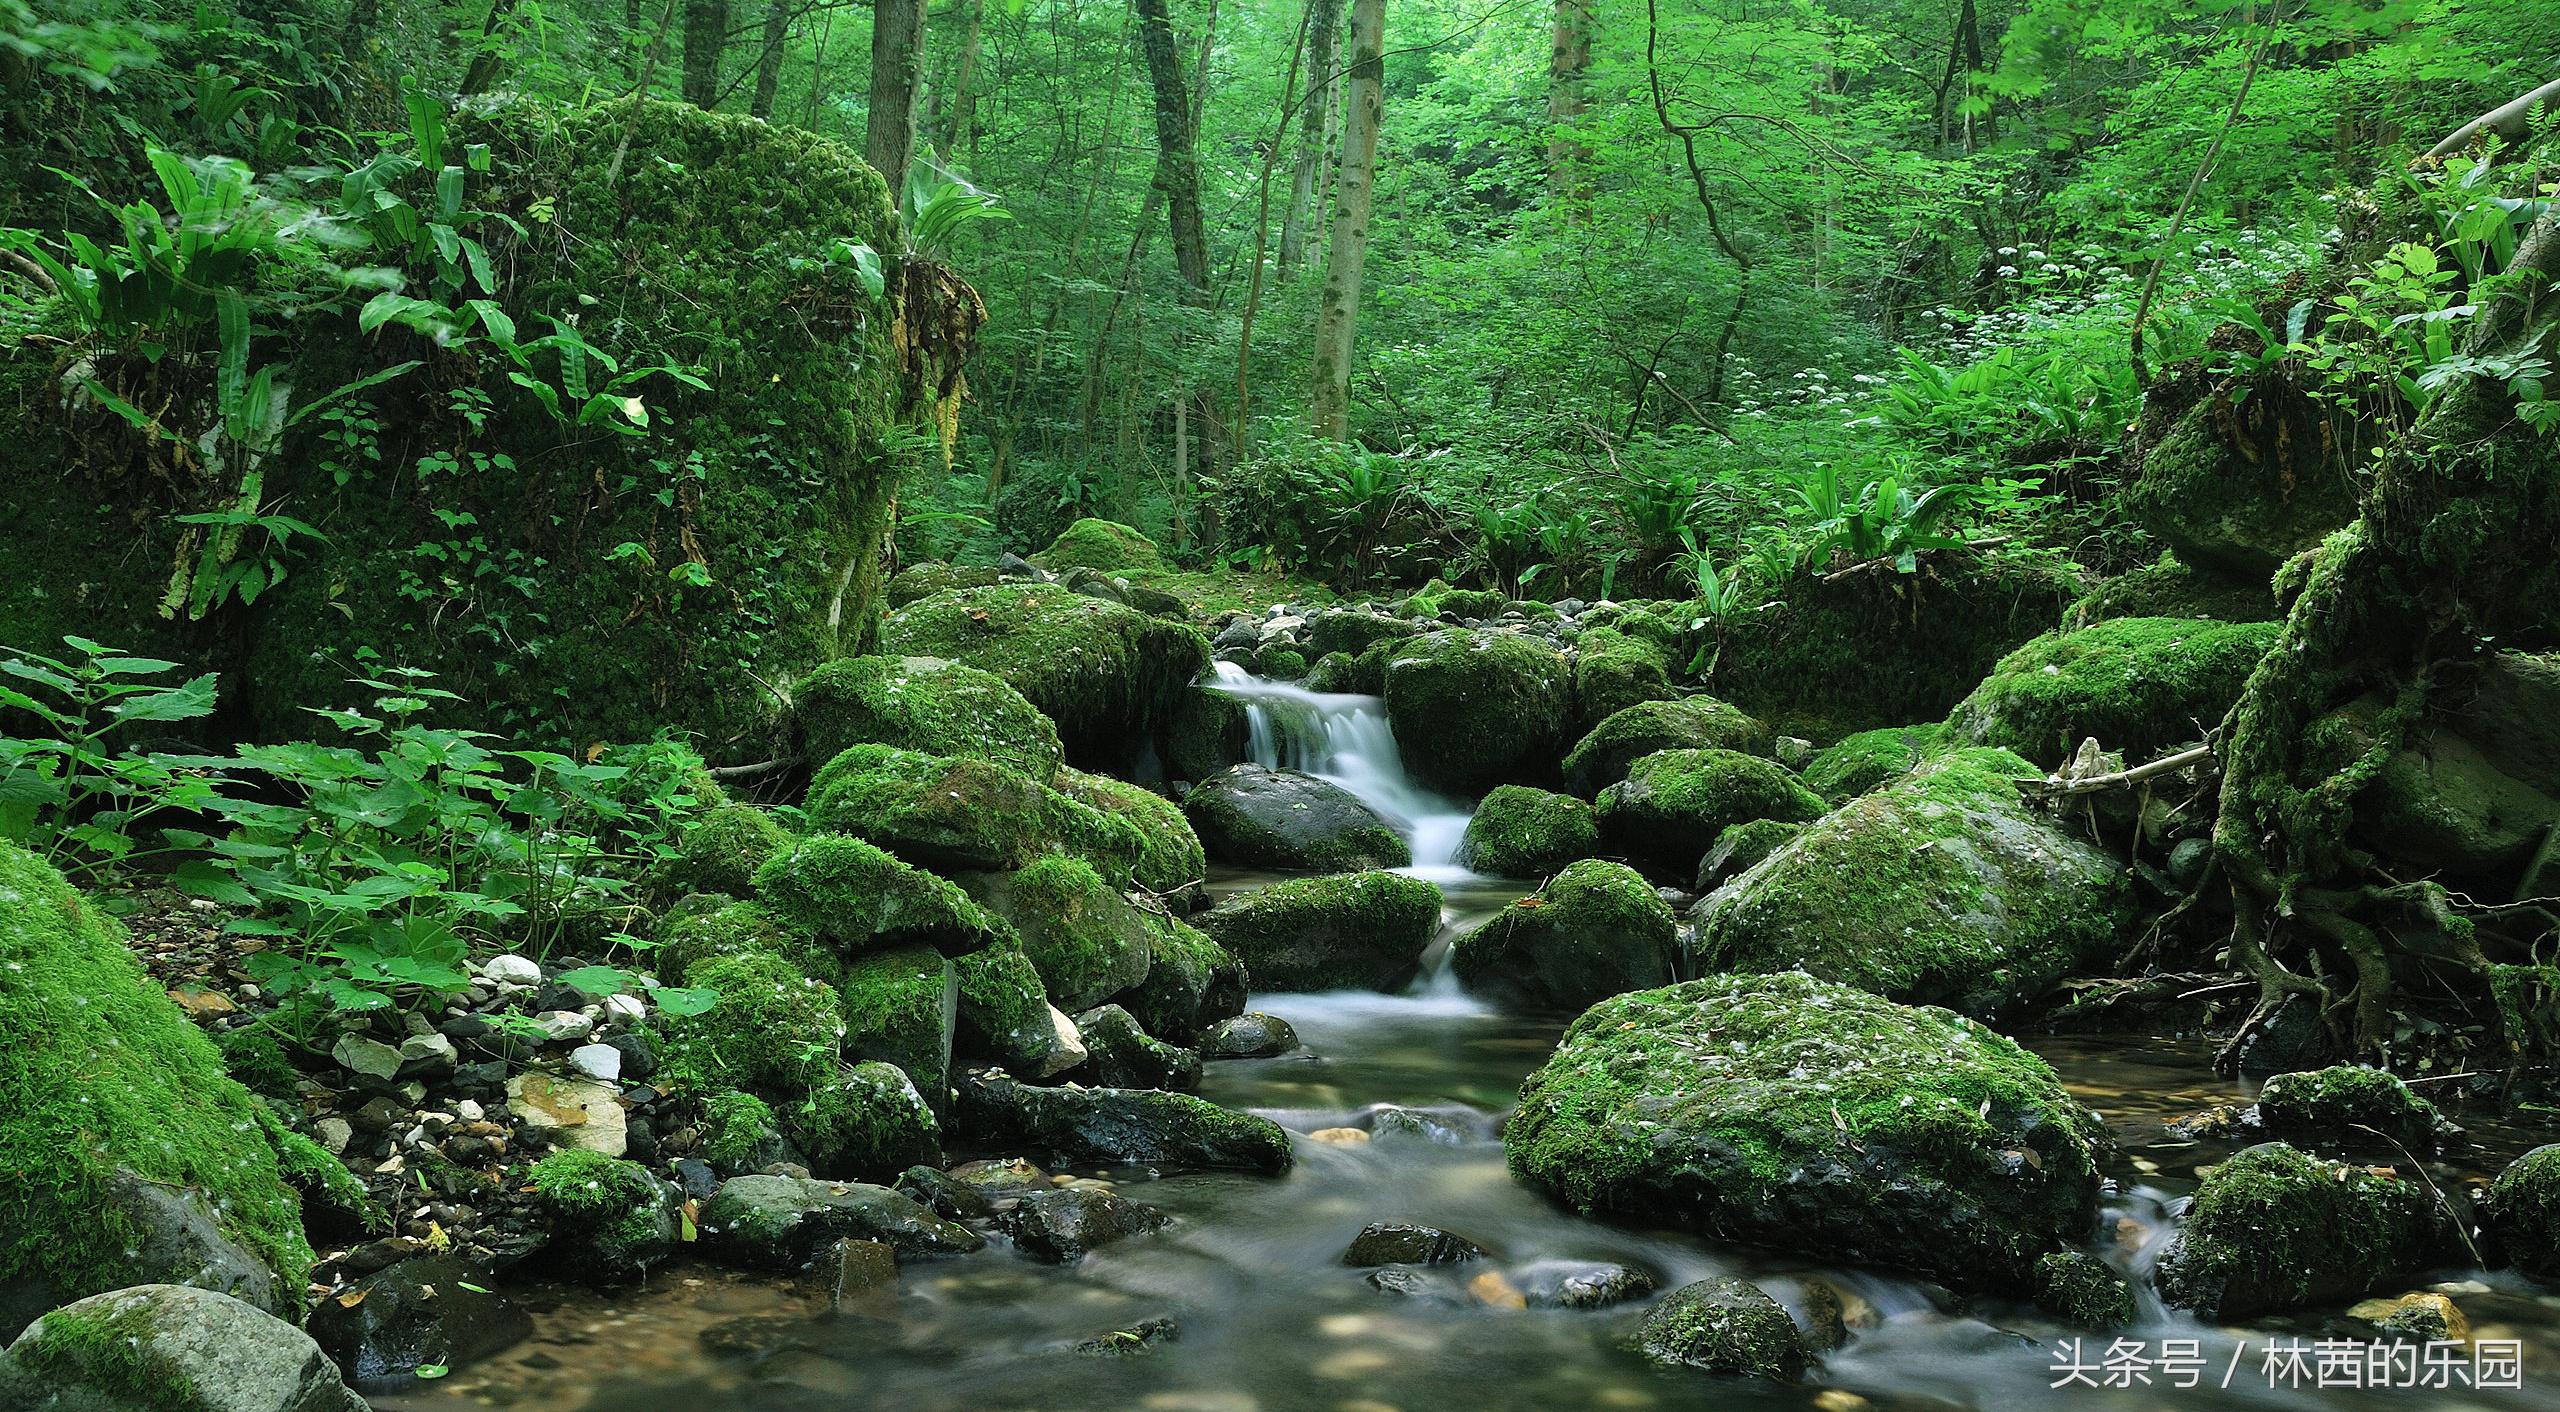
x=1344 y=739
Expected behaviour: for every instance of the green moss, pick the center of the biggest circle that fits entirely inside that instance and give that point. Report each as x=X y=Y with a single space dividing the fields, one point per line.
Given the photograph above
x=961 y=813
x=2276 y=1228
x=1207 y=733
x=2331 y=1106
x=923 y=704
x=1520 y=832
x=856 y=897
x=1169 y=853
x=736 y=1126
x=1613 y=670
x=1473 y=709
x=1280 y=662
x=332 y=1198
x=720 y=850
x=2167 y=588
x=2522 y=1213
x=1814 y=1118
x=2240 y=488
x=2138 y=685
x=1001 y=999
x=251 y=1054
x=900 y=1007
x=1192 y=982
x=1085 y=939
x=1104 y=545
x=113 y=1354
x=927 y=579
x=1654 y=624
x=869 y=1122
x=1860 y=762
x=1741 y=847
x=1339 y=931
x=1673 y=804
x=1724 y=1325
x=1601 y=757
x=1107 y=674
x=102 y=1081
x=2082 y=1289
x=1595 y=930
x=772 y=1027
x=1351 y=631
x=610 y=1219
x=694 y=933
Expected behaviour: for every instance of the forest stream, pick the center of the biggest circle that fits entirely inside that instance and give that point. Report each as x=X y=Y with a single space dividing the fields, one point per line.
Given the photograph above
x=1396 y=1104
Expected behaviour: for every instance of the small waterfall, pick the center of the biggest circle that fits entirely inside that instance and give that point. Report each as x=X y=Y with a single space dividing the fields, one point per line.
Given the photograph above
x=1344 y=739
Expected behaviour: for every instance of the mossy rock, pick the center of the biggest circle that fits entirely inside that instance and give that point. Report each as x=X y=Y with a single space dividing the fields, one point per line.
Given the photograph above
x=168 y=1348
x=2349 y=1107
x=1118 y=1126
x=1108 y=675
x=1724 y=1325
x=1192 y=982
x=1345 y=931
x=1942 y=889
x=1521 y=832
x=1002 y=1011
x=2522 y=1213
x=1740 y=848
x=132 y=1158
x=2079 y=1288
x=1475 y=709
x=2276 y=1228
x=2167 y=588
x=1598 y=929
x=2238 y=487
x=1352 y=631
x=856 y=897
x=1674 y=804
x=868 y=1123
x=1106 y=546
x=1828 y=656
x=1087 y=941
x=2138 y=685
x=610 y=1220
x=707 y=927
x=1858 y=763
x=924 y=704
x=720 y=850
x=1815 y=1119
x=901 y=1007
x=956 y=812
x=1123 y=1055
x=927 y=579
x=1612 y=671
x=1601 y=757
x=740 y=1133
x=1261 y=817
x=772 y=1026
x=1170 y=856
x=1207 y=733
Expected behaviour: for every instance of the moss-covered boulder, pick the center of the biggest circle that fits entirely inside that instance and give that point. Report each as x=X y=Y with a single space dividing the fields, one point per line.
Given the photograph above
x=771 y=1027
x=1944 y=889
x=901 y=1007
x=2276 y=1228
x=1724 y=1325
x=957 y=812
x=610 y=1220
x=1612 y=671
x=1345 y=931
x=2237 y=478
x=1261 y=817
x=1208 y=733
x=2079 y=1288
x=1816 y=1119
x=1601 y=757
x=1674 y=804
x=1475 y=709
x=856 y=897
x=1524 y=832
x=2521 y=1214
x=1170 y=855
x=2349 y=1107
x=1003 y=1014
x=1352 y=631
x=1855 y=764
x=2168 y=587
x=1107 y=546
x=127 y=1155
x=1598 y=929
x=705 y=928
x=2138 y=685
x=720 y=850
x=1740 y=848
x=1121 y=1054
x=924 y=704
x=168 y=1348
x=1107 y=674
x=1086 y=939
x=868 y=1122
x=1192 y=982
x=931 y=577
x=1116 y=1125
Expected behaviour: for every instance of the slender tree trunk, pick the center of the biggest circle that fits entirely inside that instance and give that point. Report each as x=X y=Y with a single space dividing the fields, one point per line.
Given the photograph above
x=706 y=33
x=897 y=63
x=818 y=71
x=489 y=60
x=1567 y=62
x=1338 y=315
x=1297 y=225
x=1178 y=171
x=777 y=28
x=960 y=125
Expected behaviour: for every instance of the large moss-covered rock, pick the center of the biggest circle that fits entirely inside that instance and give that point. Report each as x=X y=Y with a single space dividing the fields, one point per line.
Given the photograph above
x=2237 y=480
x=924 y=704
x=127 y=1155
x=1107 y=674
x=2168 y=587
x=870 y=1121
x=1113 y=1125
x=1088 y=942
x=2276 y=1228
x=1353 y=631
x=931 y=577
x=1475 y=709
x=772 y=1025
x=1943 y=889
x=2136 y=684
x=705 y=928
x=610 y=1219
x=777 y=1223
x=1601 y=757
x=1816 y=1119
x=1104 y=545
x=1004 y=1015
x=2349 y=1107
x=1169 y=851
x=1724 y=1325
x=1344 y=931
x=901 y=1007
x=2522 y=1213
x=168 y=1348
x=957 y=812
x=1208 y=733
x=1597 y=930
x=721 y=848
x=1524 y=832
x=1613 y=670
x=1261 y=817
x=1674 y=804
x=2465 y=795
x=856 y=897
x=1192 y=982
x=1855 y=764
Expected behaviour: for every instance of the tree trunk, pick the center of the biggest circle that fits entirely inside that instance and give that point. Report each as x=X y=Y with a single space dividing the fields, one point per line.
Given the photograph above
x=960 y=124
x=706 y=33
x=1298 y=225
x=1567 y=61
x=818 y=71
x=1178 y=169
x=897 y=60
x=1338 y=315
x=777 y=28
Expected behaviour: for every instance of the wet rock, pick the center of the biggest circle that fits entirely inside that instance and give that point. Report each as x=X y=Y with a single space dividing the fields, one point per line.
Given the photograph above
x=1342 y=931
x=123 y=1350
x=1121 y=1055
x=1597 y=930
x=1192 y=981
x=1475 y=709
x=778 y=1223
x=2521 y=1213
x=1520 y=832
x=570 y=1112
x=1674 y=804
x=1406 y=1243
x=1724 y=1325
x=435 y=1310
x=1409 y=1284
x=1601 y=758
x=2082 y=1289
x=1140 y=1337
x=1389 y=1123
x=1738 y=848
x=2275 y=1228
x=2349 y=1108
x=1062 y=1224
x=1494 y=1290
x=1261 y=817
x=947 y=1195
x=853 y=1276
x=1252 y=1035
x=1003 y=1013
x=1001 y=1176
x=869 y=1121
x=1817 y=1119
x=1580 y=1284
x=611 y=1221
x=2422 y=1317
x=1119 y=1125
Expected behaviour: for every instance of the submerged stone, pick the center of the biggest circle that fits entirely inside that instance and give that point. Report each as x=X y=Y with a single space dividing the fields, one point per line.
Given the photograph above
x=1724 y=1325
x=1063 y=1224
x=1406 y=1243
x=434 y=1310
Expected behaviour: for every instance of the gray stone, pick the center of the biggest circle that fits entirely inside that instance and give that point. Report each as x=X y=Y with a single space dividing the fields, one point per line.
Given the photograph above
x=1060 y=1225
x=570 y=1112
x=563 y=1026
x=779 y=1222
x=601 y=1062
x=235 y=1358
x=369 y=1057
x=433 y=1310
x=512 y=970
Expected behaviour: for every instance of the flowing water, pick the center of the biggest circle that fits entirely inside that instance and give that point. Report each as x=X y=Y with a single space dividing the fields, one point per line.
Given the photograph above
x=1344 y=739
x=1398 y=1102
